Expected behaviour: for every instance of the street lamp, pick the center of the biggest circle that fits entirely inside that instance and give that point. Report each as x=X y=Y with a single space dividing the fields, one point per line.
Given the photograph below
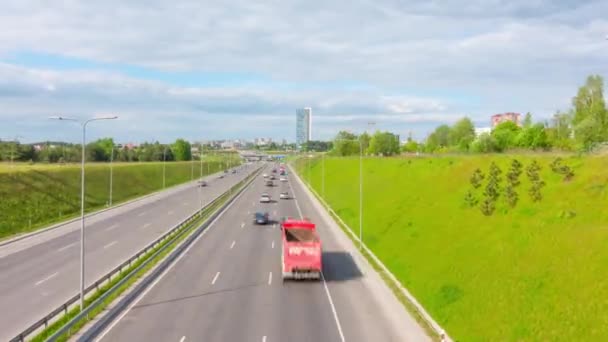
x=83 y=124
x=360 y=186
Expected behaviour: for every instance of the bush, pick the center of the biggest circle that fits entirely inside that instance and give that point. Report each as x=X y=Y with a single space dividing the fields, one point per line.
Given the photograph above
x=477 y=178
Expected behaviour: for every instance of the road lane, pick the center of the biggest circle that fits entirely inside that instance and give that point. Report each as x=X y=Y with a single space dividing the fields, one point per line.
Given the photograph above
x=108 y=242
x=247 y=303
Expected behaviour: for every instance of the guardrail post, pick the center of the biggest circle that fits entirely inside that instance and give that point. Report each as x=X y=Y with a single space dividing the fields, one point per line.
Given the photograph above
x=65 y=309
x=46 y=322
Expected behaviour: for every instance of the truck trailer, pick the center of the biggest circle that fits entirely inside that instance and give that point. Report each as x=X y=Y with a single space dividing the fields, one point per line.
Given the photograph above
x=301 y=254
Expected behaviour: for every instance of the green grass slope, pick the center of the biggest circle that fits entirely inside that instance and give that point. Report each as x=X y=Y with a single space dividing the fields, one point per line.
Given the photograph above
x=537 y=272
x=31 y=197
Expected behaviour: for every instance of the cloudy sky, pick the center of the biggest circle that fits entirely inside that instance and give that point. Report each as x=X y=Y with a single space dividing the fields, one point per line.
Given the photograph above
x=239 y=69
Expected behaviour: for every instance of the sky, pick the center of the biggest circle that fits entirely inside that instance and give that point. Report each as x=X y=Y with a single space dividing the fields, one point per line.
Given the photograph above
x=225 y=70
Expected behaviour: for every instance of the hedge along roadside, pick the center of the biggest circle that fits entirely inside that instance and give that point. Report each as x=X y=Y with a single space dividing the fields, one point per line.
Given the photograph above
x=393 y=283
x=74 y=319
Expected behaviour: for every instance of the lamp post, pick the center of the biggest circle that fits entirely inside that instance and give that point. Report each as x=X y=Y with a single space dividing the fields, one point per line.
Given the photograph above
x=360 y=186
x=83 y=124
x=111 y=174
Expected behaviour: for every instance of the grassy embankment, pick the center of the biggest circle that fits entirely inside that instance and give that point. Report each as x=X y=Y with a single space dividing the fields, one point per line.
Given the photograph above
x=33 y=196
x=537 y=272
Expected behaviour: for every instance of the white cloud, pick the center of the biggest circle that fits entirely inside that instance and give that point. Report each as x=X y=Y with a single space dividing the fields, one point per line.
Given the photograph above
x=419 y=59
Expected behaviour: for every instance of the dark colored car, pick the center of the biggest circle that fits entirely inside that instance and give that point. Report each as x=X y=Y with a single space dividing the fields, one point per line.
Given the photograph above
x=233 y=171
x=261 y=218
x=269 y=183
x=202 y=183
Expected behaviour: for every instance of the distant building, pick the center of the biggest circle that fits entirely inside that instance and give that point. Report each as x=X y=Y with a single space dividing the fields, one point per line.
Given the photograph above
x=498 y=118
x=303 y=126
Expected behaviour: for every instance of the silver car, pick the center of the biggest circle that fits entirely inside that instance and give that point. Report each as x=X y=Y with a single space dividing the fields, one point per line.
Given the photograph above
x=265 y=198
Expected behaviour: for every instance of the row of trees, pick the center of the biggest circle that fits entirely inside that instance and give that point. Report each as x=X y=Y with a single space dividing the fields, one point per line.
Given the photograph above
x=97 y=151
x=583 y=127
x=380 y=143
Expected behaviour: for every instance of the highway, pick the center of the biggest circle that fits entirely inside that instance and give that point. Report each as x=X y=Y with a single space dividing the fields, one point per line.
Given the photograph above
x=40 y=273
x=227 y=286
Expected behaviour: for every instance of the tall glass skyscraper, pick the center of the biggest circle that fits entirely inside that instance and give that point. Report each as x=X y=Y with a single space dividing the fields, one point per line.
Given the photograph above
x=303 y=125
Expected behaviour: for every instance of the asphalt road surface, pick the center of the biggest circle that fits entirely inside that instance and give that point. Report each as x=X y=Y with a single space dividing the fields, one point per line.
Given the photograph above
x=36 y=279
x=228 y=286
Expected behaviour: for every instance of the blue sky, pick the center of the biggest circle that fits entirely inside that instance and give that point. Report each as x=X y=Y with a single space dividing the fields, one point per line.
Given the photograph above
x=239 y=70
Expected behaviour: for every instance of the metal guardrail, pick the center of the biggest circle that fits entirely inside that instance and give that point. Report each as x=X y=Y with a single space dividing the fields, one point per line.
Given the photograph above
x=171 y=233
x=406 y=293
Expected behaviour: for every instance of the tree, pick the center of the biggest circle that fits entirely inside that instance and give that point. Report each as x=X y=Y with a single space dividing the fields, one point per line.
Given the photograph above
x=410 y=145
x=527 y=120
x=438 y=139
x=384 y=143
x=485 y=143
x=462 y=134
x=590 y=118
x=182 y=150
x=346 y=144
x=505 y=135
x=365 y=140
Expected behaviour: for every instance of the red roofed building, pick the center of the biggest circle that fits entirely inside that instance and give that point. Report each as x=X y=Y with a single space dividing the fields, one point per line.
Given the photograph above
x=498 y=118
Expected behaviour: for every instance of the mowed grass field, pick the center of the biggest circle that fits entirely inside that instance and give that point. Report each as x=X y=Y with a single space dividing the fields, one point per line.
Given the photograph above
x=538 y=272
x=33 y=196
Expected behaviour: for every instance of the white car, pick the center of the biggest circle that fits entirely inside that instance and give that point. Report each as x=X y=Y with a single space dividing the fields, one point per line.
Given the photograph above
x=283 y=179
x=284 y=195
x=265 y=198
x=265 y=175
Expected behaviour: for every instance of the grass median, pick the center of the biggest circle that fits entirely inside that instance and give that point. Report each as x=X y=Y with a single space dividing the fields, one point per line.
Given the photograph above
x=170 y=244
x=535 y=271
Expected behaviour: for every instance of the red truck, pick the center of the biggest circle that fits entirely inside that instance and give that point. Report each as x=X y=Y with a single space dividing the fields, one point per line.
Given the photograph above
x=301 y=254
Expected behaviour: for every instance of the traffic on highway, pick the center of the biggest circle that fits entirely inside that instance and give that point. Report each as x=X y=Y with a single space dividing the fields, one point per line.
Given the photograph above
x=39 y=273
x=267 y=279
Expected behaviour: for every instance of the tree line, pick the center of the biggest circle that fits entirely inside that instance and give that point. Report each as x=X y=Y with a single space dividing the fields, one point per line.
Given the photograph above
x=101 y=150
x=582 y=128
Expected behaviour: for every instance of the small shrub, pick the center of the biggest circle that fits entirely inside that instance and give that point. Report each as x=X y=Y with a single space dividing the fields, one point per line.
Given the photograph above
x=477 y=178
x=511 y=196
x=487 y=207
x=470 y=199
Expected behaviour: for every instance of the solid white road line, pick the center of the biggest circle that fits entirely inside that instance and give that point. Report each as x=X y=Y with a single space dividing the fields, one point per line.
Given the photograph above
x=146 y=225
x=66 y=247
x=333 y=308
x=331 y=302
x=263 y=338
x=110 y=244
x=269 y=278
x=112 y=227
x=272 y=246
x=46 y=279
x=232 y=245
x=182 y=339
x=215 y=278
x=141 y=214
